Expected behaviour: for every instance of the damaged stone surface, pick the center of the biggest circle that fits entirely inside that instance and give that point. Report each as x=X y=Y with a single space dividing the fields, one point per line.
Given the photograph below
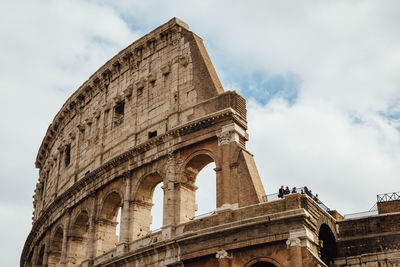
x=157 y=113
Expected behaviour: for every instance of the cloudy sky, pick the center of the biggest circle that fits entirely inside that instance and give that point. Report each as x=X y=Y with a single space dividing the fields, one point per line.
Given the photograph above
x=321 y=79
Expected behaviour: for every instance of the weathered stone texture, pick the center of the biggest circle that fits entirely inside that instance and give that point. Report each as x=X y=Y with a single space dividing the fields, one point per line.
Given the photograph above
x=154 y=114
x=388 y=206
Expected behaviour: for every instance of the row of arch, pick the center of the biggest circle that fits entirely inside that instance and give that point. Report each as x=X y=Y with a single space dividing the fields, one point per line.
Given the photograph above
x=91 y=228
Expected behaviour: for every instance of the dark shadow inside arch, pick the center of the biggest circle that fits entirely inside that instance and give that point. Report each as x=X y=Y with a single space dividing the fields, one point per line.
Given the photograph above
x=327 y=242
x=39 y=261
x=263 y=264
x=143 y=204
x=79 y=238
x=55 y=248
x=107 y=223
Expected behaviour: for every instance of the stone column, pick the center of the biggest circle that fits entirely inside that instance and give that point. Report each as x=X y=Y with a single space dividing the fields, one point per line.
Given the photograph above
x=224 y=259
x=103 y=129
x=294 y=246
x=226 y=185
x=64 y=247
x=60 y=153
x=44 y=178
x=46 y=251
x=91 y=245
x=297 y=240
x=124 y=237
x=223 y=142
x=78 y=138
x=171 y=209
x=74 y=137
x=35 y=254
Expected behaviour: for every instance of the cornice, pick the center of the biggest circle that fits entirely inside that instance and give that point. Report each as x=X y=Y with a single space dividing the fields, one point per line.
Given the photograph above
x=90 y=178
x=126 y=58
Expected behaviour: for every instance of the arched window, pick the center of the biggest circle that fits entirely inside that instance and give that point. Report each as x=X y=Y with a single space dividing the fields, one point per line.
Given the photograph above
x=39 y=260
x=55 y=248
x=188 y=186
x=206 y=191
x=143 y=203
x=79 y=238
x=327 y=244
x=157 y=209
x=107 y=223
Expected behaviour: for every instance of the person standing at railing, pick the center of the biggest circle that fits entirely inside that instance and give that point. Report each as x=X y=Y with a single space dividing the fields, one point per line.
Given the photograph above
x=308 y=192
x=316 y=199
x=287 y=190
x=281 y=192
x=294 y=190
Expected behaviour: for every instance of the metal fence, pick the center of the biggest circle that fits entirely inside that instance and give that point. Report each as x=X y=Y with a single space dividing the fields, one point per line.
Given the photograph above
x=361 y=214
x=388 y=197
x=302 y=190
x=372 y=211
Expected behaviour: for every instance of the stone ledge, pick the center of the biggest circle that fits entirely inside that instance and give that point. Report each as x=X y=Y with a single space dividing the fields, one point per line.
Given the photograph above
x=184 y=129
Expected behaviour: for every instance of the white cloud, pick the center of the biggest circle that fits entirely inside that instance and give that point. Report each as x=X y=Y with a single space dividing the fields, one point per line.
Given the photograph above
x=347 y=163
x=334 y=138
x=47 y=50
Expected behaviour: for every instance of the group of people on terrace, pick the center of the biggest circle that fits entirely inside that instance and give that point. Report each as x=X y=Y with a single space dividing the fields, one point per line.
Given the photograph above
x=286 y=191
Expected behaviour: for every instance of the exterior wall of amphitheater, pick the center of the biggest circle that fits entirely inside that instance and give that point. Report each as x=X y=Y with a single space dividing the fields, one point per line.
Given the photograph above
x=157 y=113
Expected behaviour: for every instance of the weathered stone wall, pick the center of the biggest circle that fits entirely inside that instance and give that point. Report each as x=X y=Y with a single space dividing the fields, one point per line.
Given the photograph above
x=369 y=240
x=388 y=206
x=149 y=87
x=154 y=114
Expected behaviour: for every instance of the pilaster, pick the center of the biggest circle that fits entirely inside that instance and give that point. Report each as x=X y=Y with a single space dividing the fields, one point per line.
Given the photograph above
x=297 y=240
x=91 y=249
x=227 y=191
x=124 y=234
x=224 y=258
x=64 y=247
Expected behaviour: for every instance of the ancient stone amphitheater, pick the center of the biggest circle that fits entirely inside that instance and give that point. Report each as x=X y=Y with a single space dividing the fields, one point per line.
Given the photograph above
x=157 y=113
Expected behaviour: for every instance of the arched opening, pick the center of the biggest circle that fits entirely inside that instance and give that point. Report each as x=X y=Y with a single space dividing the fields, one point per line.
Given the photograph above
x=79 y=238
x=107 y=223
x=29 y=260
x=55 y=248
x=263 y=264
x=188 y=189
x=39 y=260
x=327 y=244
x=143 y=203
x=206 y=192
x=157 y=209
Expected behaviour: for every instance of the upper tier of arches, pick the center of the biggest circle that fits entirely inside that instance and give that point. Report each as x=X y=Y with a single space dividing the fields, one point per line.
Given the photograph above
x=146 y=90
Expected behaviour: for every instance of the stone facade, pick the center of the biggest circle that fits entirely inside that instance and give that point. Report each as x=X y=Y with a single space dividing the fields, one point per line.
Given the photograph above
x=157 y=113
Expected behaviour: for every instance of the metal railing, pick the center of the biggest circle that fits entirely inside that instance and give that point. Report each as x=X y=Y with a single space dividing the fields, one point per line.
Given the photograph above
x=372 y=211
x=302 y=190
x=202 y=215
x=388 y=197
x=361 y=214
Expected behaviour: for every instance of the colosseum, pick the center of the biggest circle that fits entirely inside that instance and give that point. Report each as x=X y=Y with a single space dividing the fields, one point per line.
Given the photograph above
x=156 y=113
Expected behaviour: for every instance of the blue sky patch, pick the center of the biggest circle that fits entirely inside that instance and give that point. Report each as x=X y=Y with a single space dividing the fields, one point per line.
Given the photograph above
x=263 y=88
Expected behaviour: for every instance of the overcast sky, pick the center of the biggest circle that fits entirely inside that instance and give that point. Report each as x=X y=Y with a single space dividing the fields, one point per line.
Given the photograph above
x=321 y=79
